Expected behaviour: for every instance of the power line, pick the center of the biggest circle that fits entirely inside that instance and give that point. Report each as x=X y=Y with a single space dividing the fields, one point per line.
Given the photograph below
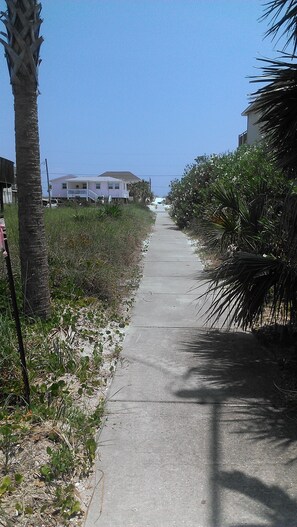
x=96 y=174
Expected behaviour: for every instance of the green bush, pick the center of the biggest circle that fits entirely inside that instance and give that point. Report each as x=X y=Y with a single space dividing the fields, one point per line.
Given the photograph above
x=247 y=211
x=237 y=197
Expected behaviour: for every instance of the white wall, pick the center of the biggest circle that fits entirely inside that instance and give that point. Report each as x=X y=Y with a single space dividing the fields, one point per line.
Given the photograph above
x=253 y=129
x=58 y=192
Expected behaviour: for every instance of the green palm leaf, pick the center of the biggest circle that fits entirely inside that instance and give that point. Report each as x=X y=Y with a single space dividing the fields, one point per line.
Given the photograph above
x=276 y=105
x=246 y=284
x=226 y=196
x=284 y=16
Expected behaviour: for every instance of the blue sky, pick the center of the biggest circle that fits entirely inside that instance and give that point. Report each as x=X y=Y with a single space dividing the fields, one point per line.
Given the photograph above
x=140 y=85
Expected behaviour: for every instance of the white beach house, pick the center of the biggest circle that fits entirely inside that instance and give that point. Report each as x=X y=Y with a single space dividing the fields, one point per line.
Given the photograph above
x=109 y=185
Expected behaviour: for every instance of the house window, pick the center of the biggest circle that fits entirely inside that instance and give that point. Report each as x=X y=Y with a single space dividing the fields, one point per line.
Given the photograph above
x=110 y=186
x=84 y=185
x=117 y=186
x=98 y=185
x=64 y=186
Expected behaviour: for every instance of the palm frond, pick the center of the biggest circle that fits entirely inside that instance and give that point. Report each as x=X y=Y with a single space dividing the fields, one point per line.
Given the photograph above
x=226 y=196
x=245 y=284
x=251 y=214
x=239 y=221
x=276 y=106
x=283 y=15
x=288 y=226
x=226 y=224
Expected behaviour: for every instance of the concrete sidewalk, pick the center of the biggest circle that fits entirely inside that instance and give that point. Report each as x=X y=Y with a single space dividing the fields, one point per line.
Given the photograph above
x=194 y=436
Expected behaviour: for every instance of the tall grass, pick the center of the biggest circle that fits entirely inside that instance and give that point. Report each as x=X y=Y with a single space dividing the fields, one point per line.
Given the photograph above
x=91 y=251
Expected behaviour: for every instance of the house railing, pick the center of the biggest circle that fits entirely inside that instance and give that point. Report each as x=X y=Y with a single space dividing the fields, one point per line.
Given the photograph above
x=90 y=194
x=82 y=193
x=242 y=139
x=77 y=193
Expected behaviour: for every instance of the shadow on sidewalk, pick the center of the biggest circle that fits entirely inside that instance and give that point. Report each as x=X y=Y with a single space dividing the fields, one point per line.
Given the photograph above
x=171 y=227
x=234 y=367
x=234 y=372
x=281 y=510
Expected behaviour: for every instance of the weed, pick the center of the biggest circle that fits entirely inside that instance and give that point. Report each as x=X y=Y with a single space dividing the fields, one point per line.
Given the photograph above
x=12 y=429
x=113 y=210
x=61 y=463
x=66 y=503
x=23 y=509
x=8 y=442
x=81 y=428
x=97 y=355
x=7 y=484
x=9 y=359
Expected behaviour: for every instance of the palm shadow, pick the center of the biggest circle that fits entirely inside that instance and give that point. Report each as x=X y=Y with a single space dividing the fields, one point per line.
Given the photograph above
x=171 y=227
x=276 y=505
x=234 y=367
x=230 y=370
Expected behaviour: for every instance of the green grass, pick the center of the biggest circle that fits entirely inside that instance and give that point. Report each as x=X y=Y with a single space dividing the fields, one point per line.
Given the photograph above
x=91 y=251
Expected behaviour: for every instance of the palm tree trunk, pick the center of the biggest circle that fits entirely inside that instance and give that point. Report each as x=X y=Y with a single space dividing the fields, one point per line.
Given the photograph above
x=22 y=21
x=33 y=254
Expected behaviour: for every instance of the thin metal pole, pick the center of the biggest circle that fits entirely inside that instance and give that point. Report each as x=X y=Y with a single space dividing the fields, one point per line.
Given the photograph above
x=48 y=185
x=16 y=315
x=1 y=199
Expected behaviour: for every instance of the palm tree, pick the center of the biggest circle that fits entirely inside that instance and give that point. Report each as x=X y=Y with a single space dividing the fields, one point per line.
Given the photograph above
x=140 y=191
x=236 y=221
x=22 y=44
x=250 y=283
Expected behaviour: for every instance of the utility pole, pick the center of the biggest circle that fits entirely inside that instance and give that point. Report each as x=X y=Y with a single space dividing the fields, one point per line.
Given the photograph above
x=48 y=186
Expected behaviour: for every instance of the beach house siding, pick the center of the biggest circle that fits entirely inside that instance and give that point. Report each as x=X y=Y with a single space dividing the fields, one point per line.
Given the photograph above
x=253 y=132
x=59 y=186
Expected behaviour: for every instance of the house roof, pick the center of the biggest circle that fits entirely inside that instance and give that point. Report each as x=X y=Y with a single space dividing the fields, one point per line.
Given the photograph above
x=66 y=176
x=249 y=109
x=128 y=177
x=96 y=179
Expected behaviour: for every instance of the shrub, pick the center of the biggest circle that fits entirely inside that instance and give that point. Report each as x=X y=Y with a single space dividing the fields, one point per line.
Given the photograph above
x=235 y=196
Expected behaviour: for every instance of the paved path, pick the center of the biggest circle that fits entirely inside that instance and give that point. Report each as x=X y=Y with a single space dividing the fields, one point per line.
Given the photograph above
x=193 y=436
